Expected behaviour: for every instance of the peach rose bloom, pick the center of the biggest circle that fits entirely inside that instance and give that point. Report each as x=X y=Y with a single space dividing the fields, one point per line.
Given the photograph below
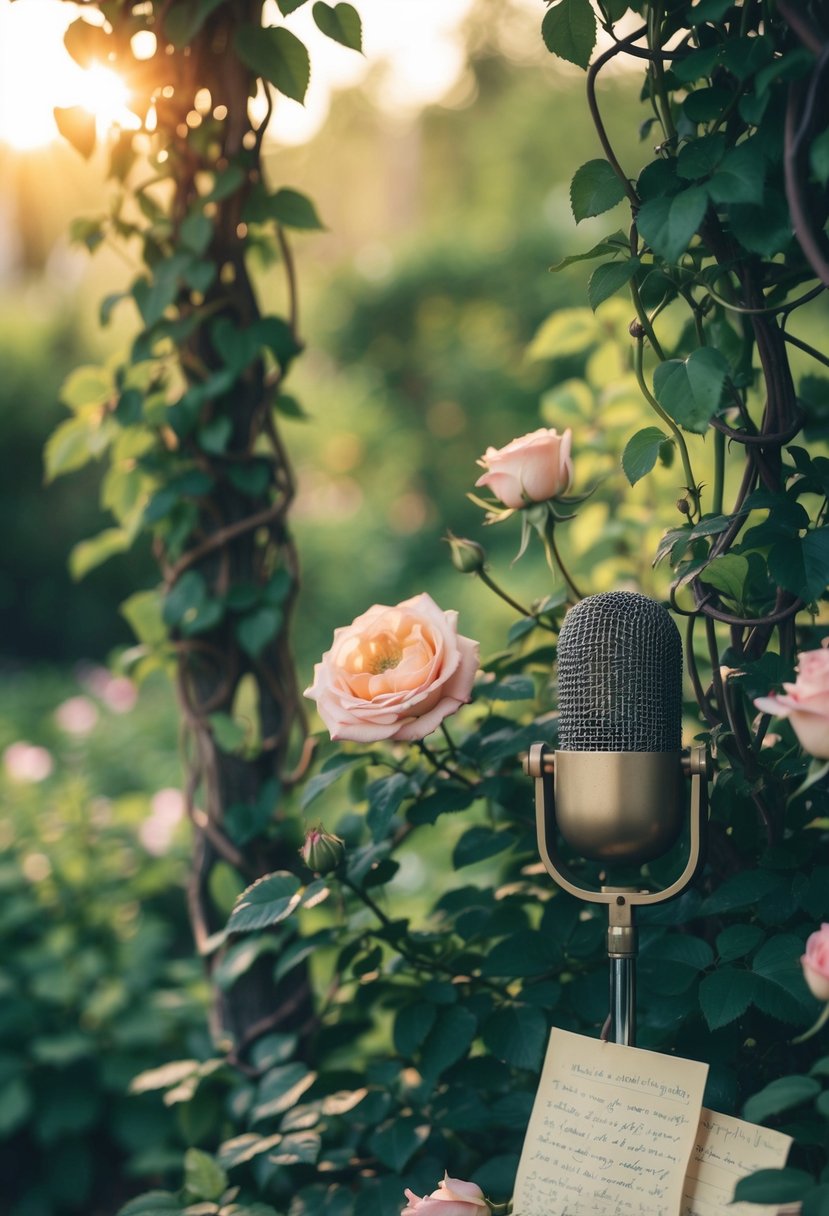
x=531 y=469
x=394 y=673
x=806 y=702
x=452 y=1198
x=815 y=963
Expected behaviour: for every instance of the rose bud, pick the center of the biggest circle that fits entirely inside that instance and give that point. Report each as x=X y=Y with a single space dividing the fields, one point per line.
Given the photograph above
x=806 y=702
x=452 y=1198
x=815 y=963
x=534 y=468
x=321 y=851
x=394 y=673
x=467 y=556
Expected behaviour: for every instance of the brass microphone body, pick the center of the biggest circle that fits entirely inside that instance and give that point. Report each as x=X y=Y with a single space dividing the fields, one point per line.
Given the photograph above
x=622 y=807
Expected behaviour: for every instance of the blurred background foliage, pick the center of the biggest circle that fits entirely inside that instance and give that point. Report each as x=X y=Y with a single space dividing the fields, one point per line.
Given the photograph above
x=419 y=302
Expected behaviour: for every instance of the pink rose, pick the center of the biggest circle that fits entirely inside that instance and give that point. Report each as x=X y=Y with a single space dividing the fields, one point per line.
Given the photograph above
x=806 y=702
x=531 y=469
x=394 y=673
x=815 y=963
x=452 y=1198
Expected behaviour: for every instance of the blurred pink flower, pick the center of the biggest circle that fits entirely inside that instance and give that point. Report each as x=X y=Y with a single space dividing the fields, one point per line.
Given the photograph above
x=394 y=673
x=120 y=694
x=26 y=762
x=117 y=692
x=452 y=1198
x=77 y=716
x=157 y=830
x=815 y=963
x=806 y=702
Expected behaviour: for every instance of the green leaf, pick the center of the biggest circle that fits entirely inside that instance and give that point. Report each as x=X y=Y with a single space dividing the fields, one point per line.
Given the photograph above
x=668 y=224
x=777 y=961
x=448 y=1040
x=396 y=1143
x=606 y=280
x=709 y=10
x=801 y=565
x=729 y=575
x=764 y=228
x=773 y=1186
x=690 y=390
x=286 y=7
x=522 y=954
x=595 y=188
x=779 y=1095
x=87 y=388
x=266 y=902
x=511 y=688
x=340 y=22
x=334 y=768
x=88 y=554
x=568 y=331
x=641 y=453
x=517 y=1035
x=618 y=243
x=384 y=798
x=411 y=1026
x=72 y=445
x=77 y=125
x=725 y=995
x=287 y=207
x=478 y=843
x=164 y=1077
x=738 y=940
x=203 y=1177
x=742 y=891
x=280 y=1089
x=699 y=157
x=196 y=231
x=257 y=629
x=277 y=55
x=739 y=179
x=245 y=1148
x=569 y=31
x=143 y=613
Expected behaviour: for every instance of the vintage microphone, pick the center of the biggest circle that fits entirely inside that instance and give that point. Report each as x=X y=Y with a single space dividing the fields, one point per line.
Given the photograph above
x=615 y=788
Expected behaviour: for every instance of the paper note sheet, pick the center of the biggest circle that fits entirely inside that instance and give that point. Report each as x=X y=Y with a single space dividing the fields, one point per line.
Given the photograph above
x=611 y=1132
x=727 y=1149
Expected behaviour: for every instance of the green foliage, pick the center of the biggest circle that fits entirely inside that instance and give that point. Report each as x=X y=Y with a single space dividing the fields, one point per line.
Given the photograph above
x=441 y=955
x=97 y=977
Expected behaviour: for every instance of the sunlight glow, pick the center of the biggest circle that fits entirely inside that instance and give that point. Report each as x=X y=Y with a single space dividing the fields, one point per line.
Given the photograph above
x=37 y=74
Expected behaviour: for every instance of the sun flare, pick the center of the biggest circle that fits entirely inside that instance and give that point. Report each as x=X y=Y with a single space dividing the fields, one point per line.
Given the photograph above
x=37 y=74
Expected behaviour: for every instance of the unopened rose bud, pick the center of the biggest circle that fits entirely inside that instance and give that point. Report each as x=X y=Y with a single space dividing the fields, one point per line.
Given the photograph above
x=683 y=506
x=467 y=556
x=321 y=851
x=636 y=329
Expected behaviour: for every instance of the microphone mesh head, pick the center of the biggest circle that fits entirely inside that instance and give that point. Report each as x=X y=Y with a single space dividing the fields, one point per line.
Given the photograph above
x=619 y=676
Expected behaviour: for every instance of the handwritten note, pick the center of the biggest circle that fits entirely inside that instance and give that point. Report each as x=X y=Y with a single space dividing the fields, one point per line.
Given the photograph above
x=611 y=1131
x=727 y=1149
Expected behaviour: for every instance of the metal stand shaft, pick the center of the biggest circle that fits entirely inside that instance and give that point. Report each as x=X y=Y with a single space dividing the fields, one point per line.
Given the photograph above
x=623 y=1001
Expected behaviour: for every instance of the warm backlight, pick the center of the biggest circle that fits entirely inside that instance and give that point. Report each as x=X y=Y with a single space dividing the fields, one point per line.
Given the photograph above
x=37 y=74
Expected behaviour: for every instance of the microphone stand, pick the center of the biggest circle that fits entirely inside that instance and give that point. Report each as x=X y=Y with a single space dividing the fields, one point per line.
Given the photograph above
x=621 y=902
